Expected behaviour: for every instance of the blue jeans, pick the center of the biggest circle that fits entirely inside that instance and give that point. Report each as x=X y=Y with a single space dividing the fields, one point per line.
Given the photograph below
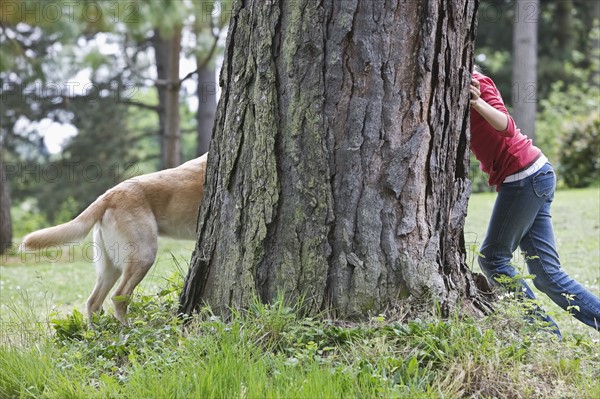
x=521 y=217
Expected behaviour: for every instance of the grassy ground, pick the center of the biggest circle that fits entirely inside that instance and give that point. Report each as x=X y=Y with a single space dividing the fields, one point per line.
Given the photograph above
x=273 y=351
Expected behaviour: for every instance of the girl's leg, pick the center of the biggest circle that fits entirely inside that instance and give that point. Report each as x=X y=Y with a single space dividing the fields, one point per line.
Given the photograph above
x=543 y=262
x=514 y=213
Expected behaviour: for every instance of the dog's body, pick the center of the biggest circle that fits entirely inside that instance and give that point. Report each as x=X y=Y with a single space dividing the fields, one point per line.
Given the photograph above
x=127 y=221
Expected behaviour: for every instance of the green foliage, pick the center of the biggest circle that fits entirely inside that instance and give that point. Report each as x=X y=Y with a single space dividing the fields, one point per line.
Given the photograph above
x=27 y=218
x=69 y=208
x=579 y=160
x=107 y=352
x=24 y=372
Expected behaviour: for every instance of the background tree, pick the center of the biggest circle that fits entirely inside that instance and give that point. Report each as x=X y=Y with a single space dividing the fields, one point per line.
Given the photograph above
x=524 y=65
x=338 y=168
x=167 y=49
x=210 y=21
x=5 y=220
x=206 y=20
x=564 y=16
x=207 y=104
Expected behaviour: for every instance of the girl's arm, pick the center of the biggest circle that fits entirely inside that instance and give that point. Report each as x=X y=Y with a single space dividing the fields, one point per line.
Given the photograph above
x=498 y=119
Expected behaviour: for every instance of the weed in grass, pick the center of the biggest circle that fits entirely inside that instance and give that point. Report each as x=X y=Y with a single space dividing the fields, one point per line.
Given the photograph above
x=272 y=322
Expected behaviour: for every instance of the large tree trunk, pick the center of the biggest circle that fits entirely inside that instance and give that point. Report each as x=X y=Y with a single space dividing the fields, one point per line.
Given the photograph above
x=167 y=50
x=337 y=172
x=207 y=105
x=5 y=219
x=524 y=66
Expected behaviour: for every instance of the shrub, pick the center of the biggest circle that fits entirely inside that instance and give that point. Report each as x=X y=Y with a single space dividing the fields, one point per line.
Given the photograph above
x=579 y=159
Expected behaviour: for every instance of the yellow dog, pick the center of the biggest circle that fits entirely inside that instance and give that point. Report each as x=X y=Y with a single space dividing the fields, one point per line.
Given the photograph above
x=130 y=217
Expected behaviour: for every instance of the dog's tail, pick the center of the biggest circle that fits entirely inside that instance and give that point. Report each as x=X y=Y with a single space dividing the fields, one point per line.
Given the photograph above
x=72 y=231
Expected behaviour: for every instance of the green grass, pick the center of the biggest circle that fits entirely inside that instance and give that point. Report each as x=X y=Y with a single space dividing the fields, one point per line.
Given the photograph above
x=46 y=350
x=272 y=351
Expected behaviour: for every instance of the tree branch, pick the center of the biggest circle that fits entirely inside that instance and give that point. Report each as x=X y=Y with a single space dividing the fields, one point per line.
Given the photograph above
x=154 y=108
x=134 y=70
x=211 y=52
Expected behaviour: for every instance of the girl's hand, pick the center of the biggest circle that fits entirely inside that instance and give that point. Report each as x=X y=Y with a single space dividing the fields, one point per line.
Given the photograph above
x=498 y=119
x=475 y=92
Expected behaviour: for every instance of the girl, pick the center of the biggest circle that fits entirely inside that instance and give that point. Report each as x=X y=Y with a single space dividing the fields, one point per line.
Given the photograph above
x=525 y=182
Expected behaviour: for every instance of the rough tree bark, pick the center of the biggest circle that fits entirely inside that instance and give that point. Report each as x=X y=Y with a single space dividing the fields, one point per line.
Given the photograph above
x=5 y=219
x=167 y=50
x=524 y=66
x=338 y=168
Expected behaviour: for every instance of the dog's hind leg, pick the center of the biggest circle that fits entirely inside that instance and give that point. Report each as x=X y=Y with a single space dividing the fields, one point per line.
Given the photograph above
x=139 y=255
x=135 y=270
x=107 y=275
